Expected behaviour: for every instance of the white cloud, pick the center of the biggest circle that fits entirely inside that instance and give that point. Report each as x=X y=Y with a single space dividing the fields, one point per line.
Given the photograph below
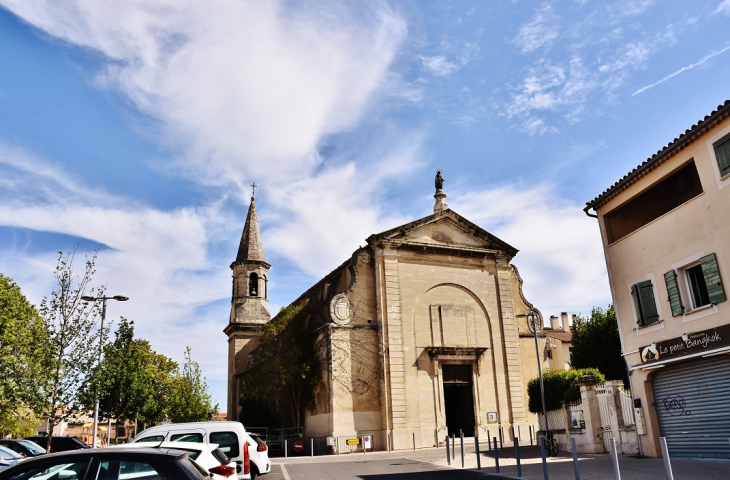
x=159 y=259
x=561 y=255
x=235 y=85
x=438 y=65
x=452 y=55
x=539 y=32
x=724 y=7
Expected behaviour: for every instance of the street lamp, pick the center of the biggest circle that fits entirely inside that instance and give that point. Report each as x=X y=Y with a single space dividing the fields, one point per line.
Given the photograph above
x=86 y=298
x=532 y=316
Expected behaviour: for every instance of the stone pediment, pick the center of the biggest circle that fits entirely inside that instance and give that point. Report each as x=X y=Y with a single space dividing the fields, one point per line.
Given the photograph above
x=446 y=229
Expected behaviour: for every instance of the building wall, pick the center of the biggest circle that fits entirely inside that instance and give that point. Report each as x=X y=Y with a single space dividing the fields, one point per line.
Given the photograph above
x=698 y=227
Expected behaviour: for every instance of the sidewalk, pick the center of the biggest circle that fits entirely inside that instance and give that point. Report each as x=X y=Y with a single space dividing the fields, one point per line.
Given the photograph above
x=592 y=466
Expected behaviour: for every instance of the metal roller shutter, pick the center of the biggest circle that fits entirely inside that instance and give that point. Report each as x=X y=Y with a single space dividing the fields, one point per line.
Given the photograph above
x=692 y=401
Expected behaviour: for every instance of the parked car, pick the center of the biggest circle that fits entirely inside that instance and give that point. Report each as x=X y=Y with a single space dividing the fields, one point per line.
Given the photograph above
x=23 y=447
x=259 y=452
x=108 y=464
x=207 y=455
x=8 y=458
x=231 y=438
x=59 y=443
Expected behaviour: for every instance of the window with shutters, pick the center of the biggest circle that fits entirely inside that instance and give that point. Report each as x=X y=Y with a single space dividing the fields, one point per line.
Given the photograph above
x=645 y=303
x=722 y=155
x=694 y=286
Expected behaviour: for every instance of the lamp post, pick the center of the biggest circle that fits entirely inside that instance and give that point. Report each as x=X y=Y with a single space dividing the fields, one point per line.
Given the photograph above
x=86 y=298
x=532 y=316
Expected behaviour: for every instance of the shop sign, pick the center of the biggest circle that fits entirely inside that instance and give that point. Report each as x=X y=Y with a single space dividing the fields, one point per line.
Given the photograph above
x=686 y=344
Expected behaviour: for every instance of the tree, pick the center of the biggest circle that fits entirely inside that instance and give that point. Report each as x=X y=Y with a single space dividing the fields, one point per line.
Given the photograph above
x=596 y=344
x=559 y=386
x=71 y=350
x=22 y=336
x=189 y=399
x=285 y=368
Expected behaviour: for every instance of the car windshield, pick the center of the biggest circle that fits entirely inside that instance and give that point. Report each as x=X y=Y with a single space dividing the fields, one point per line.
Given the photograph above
x=33 y=447
x=7 y=454
x=192 y=468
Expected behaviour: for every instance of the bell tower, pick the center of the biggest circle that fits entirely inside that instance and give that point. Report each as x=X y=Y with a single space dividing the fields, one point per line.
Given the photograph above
x=249 y=305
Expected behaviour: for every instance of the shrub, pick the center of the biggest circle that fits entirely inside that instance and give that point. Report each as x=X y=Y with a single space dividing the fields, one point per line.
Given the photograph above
x=560 y=386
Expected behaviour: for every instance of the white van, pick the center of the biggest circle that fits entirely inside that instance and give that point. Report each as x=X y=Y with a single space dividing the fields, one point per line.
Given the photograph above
x=231 y=438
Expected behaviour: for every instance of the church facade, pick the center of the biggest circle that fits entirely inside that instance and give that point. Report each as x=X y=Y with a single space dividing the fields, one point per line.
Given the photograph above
x=422 y=331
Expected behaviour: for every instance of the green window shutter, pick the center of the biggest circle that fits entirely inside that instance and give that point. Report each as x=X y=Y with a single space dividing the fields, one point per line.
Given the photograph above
x=649 y=313
x=712 y=278
x=675 y=299
x=637 y=303
x=722 y=153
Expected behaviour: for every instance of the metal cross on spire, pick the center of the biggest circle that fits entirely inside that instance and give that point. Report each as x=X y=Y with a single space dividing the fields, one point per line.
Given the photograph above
x=253 y=189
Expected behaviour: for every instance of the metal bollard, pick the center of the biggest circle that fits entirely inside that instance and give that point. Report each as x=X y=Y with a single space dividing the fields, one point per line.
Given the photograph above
x=544 y=459
x=517 y=456
x=388 y=437
x=530 y=426
x=414 y=440
x=501 y=439
x=575 y=459
x=665 y=457
x=285 y=452
x=453 y=446
x=479 y=460
x=489 y=441
x=311 y=447
x=519 y=433
x=462 y=449
x=496 y=455
x=448 y=451
x=614 y=458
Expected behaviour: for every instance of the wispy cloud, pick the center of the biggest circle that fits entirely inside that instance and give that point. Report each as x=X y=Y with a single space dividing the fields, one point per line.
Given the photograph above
x=540 y=31
x=724 y=7
x=683 y=69
x=453 y=54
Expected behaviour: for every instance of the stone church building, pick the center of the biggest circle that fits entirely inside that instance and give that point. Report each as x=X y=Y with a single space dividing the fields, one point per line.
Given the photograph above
x=422 y=331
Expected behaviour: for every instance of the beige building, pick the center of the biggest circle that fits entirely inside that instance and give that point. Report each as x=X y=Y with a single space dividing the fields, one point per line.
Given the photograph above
x=558 y=345
x=420 y=333
x=666 y=235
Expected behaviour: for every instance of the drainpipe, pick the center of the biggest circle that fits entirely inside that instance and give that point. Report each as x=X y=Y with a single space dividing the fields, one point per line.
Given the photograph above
x=589 y=214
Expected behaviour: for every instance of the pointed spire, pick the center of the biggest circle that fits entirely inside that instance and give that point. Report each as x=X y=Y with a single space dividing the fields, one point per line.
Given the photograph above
x=251 y=247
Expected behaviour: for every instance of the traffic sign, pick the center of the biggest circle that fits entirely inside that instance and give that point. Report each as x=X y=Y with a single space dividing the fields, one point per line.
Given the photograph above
x=298 y=446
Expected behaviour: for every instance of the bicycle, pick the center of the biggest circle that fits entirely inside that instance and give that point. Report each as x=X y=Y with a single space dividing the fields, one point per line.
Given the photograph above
x=551 y=445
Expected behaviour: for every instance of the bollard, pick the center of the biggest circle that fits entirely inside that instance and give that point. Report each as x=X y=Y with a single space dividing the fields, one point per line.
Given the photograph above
x=462 y=449
x=544 y=459
x=531 y=444
x=575 y=459
x=448 y=452
x=311 y=447
x=519 y=433
x=517 y=456
x=414 y=440
x=388 y=438
x=614 y=457
x=496 y=455
x=479 y=460
x=501 y=439
x=665 y=455
x=489 y=442
x=453 y=446
x=285 y=452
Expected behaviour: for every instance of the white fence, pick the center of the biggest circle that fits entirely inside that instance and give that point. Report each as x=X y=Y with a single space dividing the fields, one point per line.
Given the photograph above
x=627 y=407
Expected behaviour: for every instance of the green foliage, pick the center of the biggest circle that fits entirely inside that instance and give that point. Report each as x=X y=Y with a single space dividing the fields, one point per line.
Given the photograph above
x=560 y=386
x=22 y=337
x=189 y=399
x=69 y=355
x=132 y=379
x=596 y=344
x=285 y=368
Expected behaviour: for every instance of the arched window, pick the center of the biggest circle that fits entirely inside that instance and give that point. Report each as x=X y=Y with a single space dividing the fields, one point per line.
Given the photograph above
x=266 y=287
x=253 y=285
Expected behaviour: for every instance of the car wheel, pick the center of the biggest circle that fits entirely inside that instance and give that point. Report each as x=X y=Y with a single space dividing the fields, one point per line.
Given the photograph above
x=254 y=473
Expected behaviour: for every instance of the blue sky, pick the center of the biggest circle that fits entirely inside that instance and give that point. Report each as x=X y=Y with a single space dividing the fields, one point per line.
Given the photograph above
x=136 y=127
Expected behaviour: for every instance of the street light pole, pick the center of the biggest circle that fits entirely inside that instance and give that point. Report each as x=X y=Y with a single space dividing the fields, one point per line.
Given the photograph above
x=539 y=371
x=103 y=299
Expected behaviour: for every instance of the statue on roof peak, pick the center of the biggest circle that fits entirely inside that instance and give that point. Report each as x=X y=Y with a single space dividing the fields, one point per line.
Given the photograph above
x=439 y=181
